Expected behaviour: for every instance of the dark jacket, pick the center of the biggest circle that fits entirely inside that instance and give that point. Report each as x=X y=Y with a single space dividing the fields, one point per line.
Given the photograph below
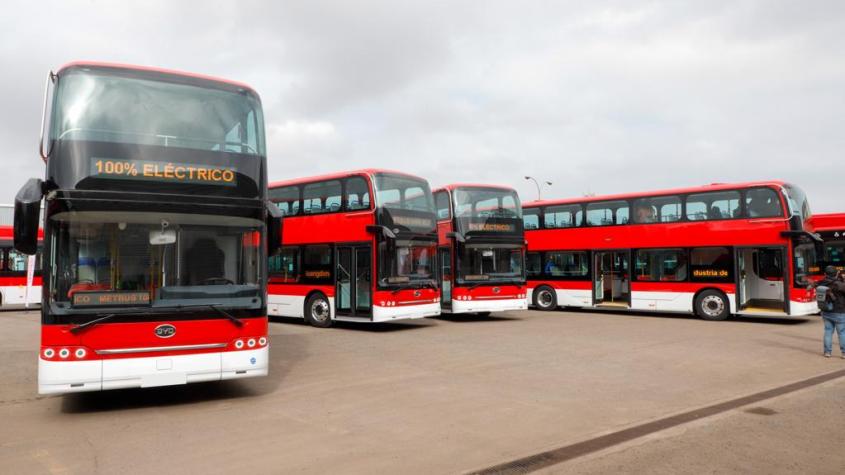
x=837 y=290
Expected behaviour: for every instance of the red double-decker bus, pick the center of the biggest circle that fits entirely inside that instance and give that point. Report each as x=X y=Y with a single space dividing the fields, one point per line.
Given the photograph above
x=357 y=246
x=711 y=250
x=481 y=249
x=155 y=200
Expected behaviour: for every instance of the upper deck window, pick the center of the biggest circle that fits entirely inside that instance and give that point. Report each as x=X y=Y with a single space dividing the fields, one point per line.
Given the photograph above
x=607 y=213
x=286 y=199
x=565 y=216
x=321 y=197
x=798 y=204
x=357 y=194
x=441 y=201
x=713 y=205
x=763 y=203
x=141 y=108
x=660 y=209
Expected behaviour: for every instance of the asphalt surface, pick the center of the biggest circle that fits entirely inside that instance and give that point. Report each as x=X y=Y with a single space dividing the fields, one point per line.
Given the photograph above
x=454 y=395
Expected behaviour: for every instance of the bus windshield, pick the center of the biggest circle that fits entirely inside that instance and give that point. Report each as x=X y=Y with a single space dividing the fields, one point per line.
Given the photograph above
x=798 y=204
x=403 y=262
x=117 y=259
x=487 y=263
x=94 y=105
x=399 y=192
x=487 y=203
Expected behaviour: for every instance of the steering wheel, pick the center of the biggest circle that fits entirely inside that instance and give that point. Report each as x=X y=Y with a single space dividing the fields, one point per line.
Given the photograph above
x=217 y=281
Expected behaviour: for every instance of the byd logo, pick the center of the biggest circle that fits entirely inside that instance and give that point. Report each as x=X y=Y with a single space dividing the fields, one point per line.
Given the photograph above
x=165 y=331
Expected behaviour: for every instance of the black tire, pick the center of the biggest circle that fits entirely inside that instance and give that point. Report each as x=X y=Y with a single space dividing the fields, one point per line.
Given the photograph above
x=545 y=298
x=483 y=314
x=712 y=305
x=317 y=311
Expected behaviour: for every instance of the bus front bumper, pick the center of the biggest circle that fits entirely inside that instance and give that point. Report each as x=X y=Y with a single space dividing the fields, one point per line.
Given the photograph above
x=491 y=305
x=404 y=312
x=58 y=377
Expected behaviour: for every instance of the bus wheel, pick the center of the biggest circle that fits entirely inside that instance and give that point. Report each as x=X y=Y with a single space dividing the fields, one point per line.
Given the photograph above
x=483 y=314
x=318 y=311
x=712 y=305
x=545 y=298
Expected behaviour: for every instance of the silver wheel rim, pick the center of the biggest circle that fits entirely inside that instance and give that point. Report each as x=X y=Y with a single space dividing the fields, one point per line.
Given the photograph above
x=320 y=310
x=712 y=305
x=544 y=299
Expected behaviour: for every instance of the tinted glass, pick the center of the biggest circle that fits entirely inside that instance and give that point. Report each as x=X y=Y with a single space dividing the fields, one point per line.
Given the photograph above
x=531 y=218
x=566 y=264
x=798 y=204
x=401 y=192
x=99 y=106
x=323 y=197
x=533 y=264
x=284 y=266
x=441 y=201
x=566 y=216
x=357 y=194
x=286 y=199
x=486 y=203
x=660 y=209
x=607 y=213
x=713 y=205
x=661 y=265
x=762 y=203
x=317 y=263
x=490 y=263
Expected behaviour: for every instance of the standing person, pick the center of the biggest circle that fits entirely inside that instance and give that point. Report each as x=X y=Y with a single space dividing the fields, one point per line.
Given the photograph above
x=835 y=317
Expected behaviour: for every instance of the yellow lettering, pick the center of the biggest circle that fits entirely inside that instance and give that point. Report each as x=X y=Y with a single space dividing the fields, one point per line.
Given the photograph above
x=201 y=174
x=168 y=170
x=228 y=175
x=179 y=172
x=148 y=169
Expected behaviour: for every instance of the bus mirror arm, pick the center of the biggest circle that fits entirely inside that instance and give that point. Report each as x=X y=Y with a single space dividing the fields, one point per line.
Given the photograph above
x=27 y=214
x=380 y=228
x=456 y=236
x=274 y=228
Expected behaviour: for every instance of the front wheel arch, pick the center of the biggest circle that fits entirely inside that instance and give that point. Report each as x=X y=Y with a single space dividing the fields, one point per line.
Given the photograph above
x=707 y=306
x=544 y=298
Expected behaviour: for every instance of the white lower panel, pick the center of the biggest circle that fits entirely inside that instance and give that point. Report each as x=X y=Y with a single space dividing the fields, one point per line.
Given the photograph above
x=403 y=312
x=16 y=294
x=285 y=305
x=574 y=297
x=667 y=301
x=803 y=308
x=469 y=306
x=55 y=377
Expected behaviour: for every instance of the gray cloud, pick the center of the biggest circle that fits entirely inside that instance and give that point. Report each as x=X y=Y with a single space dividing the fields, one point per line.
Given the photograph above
x=598 y=97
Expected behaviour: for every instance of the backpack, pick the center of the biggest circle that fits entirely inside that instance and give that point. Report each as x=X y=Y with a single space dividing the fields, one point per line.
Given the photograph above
x=824 y=298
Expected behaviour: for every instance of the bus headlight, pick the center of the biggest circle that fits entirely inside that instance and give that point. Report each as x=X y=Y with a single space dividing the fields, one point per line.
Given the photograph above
x=239 y=344
x=262 y=341
x=49 y=353
x=64 y=353
x=251 y=342
x=80 y=353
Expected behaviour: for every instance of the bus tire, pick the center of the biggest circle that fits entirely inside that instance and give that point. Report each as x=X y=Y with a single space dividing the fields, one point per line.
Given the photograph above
x=712 y=305
x=545 y=298
x=318 y=311
x=483 y=314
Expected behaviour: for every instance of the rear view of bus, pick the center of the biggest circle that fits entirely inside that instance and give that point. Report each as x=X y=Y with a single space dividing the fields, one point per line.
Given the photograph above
x=359 y=246
x=154 y=262
x=481 y=249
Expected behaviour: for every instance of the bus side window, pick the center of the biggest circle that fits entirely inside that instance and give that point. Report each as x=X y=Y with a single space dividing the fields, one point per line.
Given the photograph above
x=441 y=202
x=357 y=194
x=533 y=264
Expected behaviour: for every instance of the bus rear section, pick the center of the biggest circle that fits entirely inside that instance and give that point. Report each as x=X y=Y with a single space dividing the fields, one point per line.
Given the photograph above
x=713 y=251
x=481 y=250
x=154 y=234
x=358 y=246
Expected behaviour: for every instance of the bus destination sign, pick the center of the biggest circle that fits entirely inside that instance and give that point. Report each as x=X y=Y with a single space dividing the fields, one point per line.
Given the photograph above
x=163 y=171
x=110 y=299
x=497 y=227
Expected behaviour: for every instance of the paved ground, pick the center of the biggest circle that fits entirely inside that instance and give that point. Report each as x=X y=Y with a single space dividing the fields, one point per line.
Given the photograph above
x=450 y=395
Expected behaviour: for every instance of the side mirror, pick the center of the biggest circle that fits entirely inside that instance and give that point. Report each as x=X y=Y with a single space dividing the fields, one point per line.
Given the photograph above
x=274 y=228
x=27 y=214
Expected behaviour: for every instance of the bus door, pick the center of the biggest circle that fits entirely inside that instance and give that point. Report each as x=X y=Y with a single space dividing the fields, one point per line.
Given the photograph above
x=354 y=281
x=761 y=280
x=445 y=259
x=611 y=278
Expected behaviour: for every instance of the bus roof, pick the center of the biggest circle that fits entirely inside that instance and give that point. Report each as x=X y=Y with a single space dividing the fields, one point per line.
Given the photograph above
x=827 y=221
x=333 y=176
x=453 y=186
x=171 y=72
x=644 y=194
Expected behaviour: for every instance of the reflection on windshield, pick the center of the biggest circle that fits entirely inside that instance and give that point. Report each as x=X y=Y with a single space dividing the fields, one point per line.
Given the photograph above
x=482 y=263
x=486 y=203
x=405 y=262
x=405 y=193
x=108 y=259
x=111 y=108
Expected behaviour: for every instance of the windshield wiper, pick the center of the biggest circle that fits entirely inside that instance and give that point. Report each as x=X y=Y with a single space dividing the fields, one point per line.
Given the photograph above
x=103 y=317
x=216 y=306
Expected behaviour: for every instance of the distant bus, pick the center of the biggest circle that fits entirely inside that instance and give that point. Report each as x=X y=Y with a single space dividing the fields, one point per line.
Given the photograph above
x=358 y=246
x=831 y=228
x=13 y=267
x=481 y=249
x=711 y=250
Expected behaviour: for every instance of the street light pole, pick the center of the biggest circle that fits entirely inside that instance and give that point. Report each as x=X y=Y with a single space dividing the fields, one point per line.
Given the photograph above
x=537 y=184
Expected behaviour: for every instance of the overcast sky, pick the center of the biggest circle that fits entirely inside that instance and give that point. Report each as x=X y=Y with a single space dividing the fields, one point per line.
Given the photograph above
x=598 y=97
